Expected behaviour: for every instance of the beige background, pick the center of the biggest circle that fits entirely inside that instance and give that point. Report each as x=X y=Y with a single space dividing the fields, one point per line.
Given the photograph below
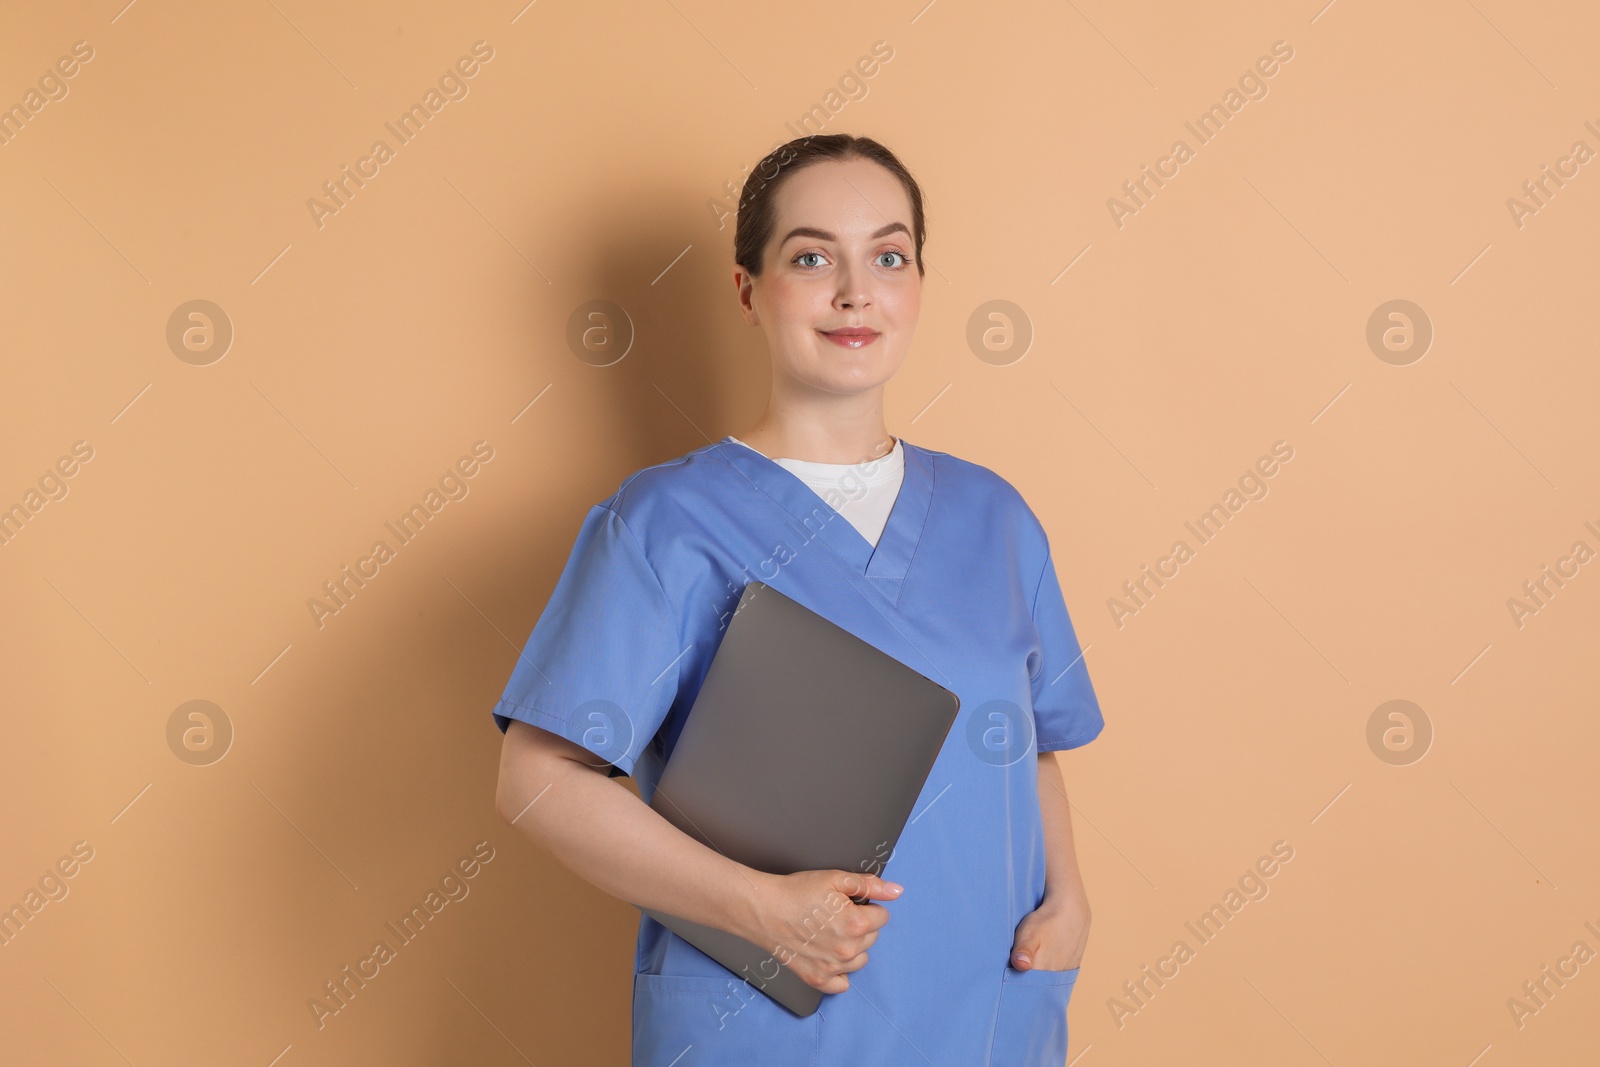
x=588 y=161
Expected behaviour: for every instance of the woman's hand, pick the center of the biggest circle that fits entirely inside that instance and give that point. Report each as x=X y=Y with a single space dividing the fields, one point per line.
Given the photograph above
x=810 y=925
x=1053 y=936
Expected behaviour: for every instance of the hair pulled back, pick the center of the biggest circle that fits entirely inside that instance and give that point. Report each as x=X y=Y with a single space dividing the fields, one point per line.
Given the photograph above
x=757 y=200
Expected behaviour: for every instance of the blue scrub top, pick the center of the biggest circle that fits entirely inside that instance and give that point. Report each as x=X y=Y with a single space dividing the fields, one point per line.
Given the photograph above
x=961 y=587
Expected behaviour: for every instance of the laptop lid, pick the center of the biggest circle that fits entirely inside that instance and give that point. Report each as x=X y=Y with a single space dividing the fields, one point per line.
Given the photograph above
x=806 y=749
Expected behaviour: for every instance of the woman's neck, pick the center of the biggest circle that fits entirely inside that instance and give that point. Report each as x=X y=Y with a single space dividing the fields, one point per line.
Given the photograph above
x=852 y=432
x=818 y=444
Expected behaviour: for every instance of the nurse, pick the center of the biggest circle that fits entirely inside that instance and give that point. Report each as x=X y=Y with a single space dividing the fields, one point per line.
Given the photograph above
x=969 y=954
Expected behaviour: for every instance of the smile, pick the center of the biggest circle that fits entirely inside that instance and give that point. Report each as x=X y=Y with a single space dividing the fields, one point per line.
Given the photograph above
x=850 y=338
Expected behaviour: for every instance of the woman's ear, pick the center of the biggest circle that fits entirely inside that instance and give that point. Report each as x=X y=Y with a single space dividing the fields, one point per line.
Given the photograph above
x=744 y=282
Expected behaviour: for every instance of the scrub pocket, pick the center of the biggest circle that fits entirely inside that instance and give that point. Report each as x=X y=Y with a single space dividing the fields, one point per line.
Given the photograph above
x=700 y=1021
x=1031 y=1028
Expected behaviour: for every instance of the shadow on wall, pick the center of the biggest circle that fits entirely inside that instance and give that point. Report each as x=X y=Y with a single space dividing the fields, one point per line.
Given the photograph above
x=395 y=755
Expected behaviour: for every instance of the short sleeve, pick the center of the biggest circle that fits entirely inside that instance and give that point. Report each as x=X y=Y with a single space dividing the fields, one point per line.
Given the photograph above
x=1066 y=712
x=601 y=666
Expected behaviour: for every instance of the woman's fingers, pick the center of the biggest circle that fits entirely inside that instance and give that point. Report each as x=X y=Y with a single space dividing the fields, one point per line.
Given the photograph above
x=824 y=935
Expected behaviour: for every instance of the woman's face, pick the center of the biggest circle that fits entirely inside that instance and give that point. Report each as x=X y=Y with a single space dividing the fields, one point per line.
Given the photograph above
x=840 y=256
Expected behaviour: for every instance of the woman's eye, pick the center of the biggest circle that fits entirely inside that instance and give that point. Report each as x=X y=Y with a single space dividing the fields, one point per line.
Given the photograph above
x=901 y=256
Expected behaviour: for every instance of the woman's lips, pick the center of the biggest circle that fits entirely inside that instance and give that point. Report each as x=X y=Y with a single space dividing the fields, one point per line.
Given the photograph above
x=850 y=338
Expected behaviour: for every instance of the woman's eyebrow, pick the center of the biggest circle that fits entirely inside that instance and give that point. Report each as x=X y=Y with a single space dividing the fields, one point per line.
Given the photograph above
x=824 y=235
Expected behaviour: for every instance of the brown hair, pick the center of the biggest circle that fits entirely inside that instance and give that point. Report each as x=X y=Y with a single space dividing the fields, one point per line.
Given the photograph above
x=758 y=211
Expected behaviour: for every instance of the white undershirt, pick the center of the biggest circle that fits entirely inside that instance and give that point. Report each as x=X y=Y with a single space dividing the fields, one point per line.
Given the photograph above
x=864 y=493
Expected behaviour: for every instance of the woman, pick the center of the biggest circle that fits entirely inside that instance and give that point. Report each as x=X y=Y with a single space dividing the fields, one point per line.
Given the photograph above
x=937 y=561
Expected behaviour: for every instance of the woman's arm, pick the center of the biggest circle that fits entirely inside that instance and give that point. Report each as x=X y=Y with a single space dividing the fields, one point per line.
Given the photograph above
x=1053 y=937
x=597 y=828
x=1060 y=855
x=601 y=831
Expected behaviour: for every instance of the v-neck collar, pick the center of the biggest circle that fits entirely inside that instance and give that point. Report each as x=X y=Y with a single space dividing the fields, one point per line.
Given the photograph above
x=886 y=563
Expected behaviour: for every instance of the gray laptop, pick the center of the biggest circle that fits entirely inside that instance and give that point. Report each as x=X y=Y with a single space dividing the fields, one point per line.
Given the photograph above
x=805 y=750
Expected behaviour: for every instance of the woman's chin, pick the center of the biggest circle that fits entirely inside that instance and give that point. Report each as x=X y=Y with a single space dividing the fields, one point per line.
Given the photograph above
x=849 y=372
x=848 y=384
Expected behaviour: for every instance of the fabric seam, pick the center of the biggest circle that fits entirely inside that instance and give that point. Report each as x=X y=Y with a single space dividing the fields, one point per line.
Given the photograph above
x=1081 y=738
x=557 y=720
x=666 y=601
x=1033 y=610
